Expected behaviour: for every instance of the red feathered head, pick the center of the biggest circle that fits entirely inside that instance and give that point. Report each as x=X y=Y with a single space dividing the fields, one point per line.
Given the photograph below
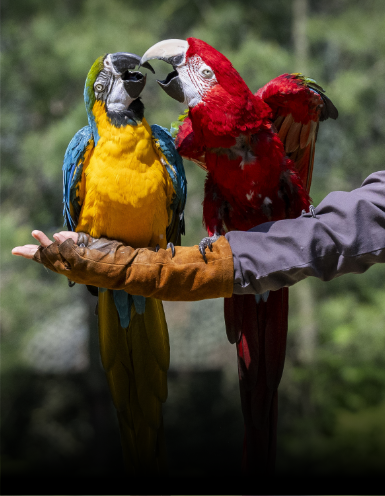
x=206 y=68
x=206 y=81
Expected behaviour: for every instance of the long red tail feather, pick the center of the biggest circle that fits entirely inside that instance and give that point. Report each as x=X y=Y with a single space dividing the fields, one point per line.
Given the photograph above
x=260 y=331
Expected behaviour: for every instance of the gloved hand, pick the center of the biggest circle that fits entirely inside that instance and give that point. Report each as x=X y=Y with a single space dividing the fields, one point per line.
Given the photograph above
x=113 y=265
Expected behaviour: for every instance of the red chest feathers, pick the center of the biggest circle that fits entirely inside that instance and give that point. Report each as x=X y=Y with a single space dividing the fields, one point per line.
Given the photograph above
x=249 y=177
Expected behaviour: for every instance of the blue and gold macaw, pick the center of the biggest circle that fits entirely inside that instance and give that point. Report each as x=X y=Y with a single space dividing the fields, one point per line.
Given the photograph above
x=124 y=180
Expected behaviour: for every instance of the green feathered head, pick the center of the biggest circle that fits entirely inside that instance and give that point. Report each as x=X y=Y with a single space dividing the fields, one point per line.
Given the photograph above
x=112 y=80
x=89 y=93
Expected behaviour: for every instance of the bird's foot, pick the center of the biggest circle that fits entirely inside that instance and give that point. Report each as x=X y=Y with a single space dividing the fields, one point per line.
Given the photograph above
x=171 y=245
x=207 y=243
x=71 y=284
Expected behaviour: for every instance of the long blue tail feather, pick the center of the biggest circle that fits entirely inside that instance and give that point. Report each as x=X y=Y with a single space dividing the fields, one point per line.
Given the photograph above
x=123 y=302
x=264 y=296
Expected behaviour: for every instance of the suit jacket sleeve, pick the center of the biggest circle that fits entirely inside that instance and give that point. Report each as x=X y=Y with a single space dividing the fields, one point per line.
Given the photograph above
x=346 y=236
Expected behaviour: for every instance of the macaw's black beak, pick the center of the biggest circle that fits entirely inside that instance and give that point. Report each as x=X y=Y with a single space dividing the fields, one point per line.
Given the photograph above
x=173 y=52
x=172 y=85
x=134 y=82
x=123 y=61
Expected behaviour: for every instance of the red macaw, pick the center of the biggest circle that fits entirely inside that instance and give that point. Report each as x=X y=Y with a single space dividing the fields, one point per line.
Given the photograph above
x=258 y=151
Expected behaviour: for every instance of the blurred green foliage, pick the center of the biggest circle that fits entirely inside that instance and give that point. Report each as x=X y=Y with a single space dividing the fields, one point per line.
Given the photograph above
x=332 y=401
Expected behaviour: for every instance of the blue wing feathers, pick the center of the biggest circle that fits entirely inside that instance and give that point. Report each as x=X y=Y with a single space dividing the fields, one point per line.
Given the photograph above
x=72 y=173
x=175 y=163
x=175 y=169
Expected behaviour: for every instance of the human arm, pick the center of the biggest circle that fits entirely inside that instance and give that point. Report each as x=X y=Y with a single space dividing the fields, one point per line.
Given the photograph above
x=182 y=276
x=347 y=236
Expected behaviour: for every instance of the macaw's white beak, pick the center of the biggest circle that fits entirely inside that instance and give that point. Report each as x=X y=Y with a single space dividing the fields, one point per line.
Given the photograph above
x=173 y=52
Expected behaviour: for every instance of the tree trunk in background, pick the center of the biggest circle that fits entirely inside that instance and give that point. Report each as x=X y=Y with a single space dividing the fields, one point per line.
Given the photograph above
x=299 y=35
x=308 y=329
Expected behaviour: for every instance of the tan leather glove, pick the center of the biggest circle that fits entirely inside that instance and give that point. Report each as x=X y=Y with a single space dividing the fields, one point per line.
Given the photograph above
x=113 y=265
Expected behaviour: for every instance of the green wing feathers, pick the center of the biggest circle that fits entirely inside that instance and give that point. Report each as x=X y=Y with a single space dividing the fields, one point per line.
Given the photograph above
x=136 y=361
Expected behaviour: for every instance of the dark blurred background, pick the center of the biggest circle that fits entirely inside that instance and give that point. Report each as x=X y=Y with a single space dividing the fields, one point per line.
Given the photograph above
x=56 y=414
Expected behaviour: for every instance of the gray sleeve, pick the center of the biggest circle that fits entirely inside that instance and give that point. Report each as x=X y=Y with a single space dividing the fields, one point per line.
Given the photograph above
x=347 y=235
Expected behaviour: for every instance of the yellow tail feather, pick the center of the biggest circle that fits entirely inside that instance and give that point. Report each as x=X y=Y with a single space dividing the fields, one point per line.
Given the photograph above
x=136 y=361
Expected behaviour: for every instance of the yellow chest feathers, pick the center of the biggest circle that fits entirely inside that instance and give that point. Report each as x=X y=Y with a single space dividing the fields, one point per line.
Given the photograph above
x=125 y=189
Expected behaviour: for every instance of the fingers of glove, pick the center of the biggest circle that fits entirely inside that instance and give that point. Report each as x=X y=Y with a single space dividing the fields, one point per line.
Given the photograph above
x=110 y=253
x=52 y=259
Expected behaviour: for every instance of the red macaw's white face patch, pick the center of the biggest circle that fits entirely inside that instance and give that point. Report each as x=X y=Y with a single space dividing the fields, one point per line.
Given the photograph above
x=197 y=79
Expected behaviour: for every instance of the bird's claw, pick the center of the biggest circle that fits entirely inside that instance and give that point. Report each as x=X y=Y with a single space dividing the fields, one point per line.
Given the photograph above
x=71 y=284
x=207 y=243
x=312 y=211
x=171 y=245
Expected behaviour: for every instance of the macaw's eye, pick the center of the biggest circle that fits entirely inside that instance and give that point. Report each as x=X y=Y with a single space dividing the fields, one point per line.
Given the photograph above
x=99 y=87
x=207 y=73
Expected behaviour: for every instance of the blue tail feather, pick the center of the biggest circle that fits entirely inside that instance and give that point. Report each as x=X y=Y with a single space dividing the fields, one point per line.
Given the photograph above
x=123 y=302
x=140 y=303
x=264 y=296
